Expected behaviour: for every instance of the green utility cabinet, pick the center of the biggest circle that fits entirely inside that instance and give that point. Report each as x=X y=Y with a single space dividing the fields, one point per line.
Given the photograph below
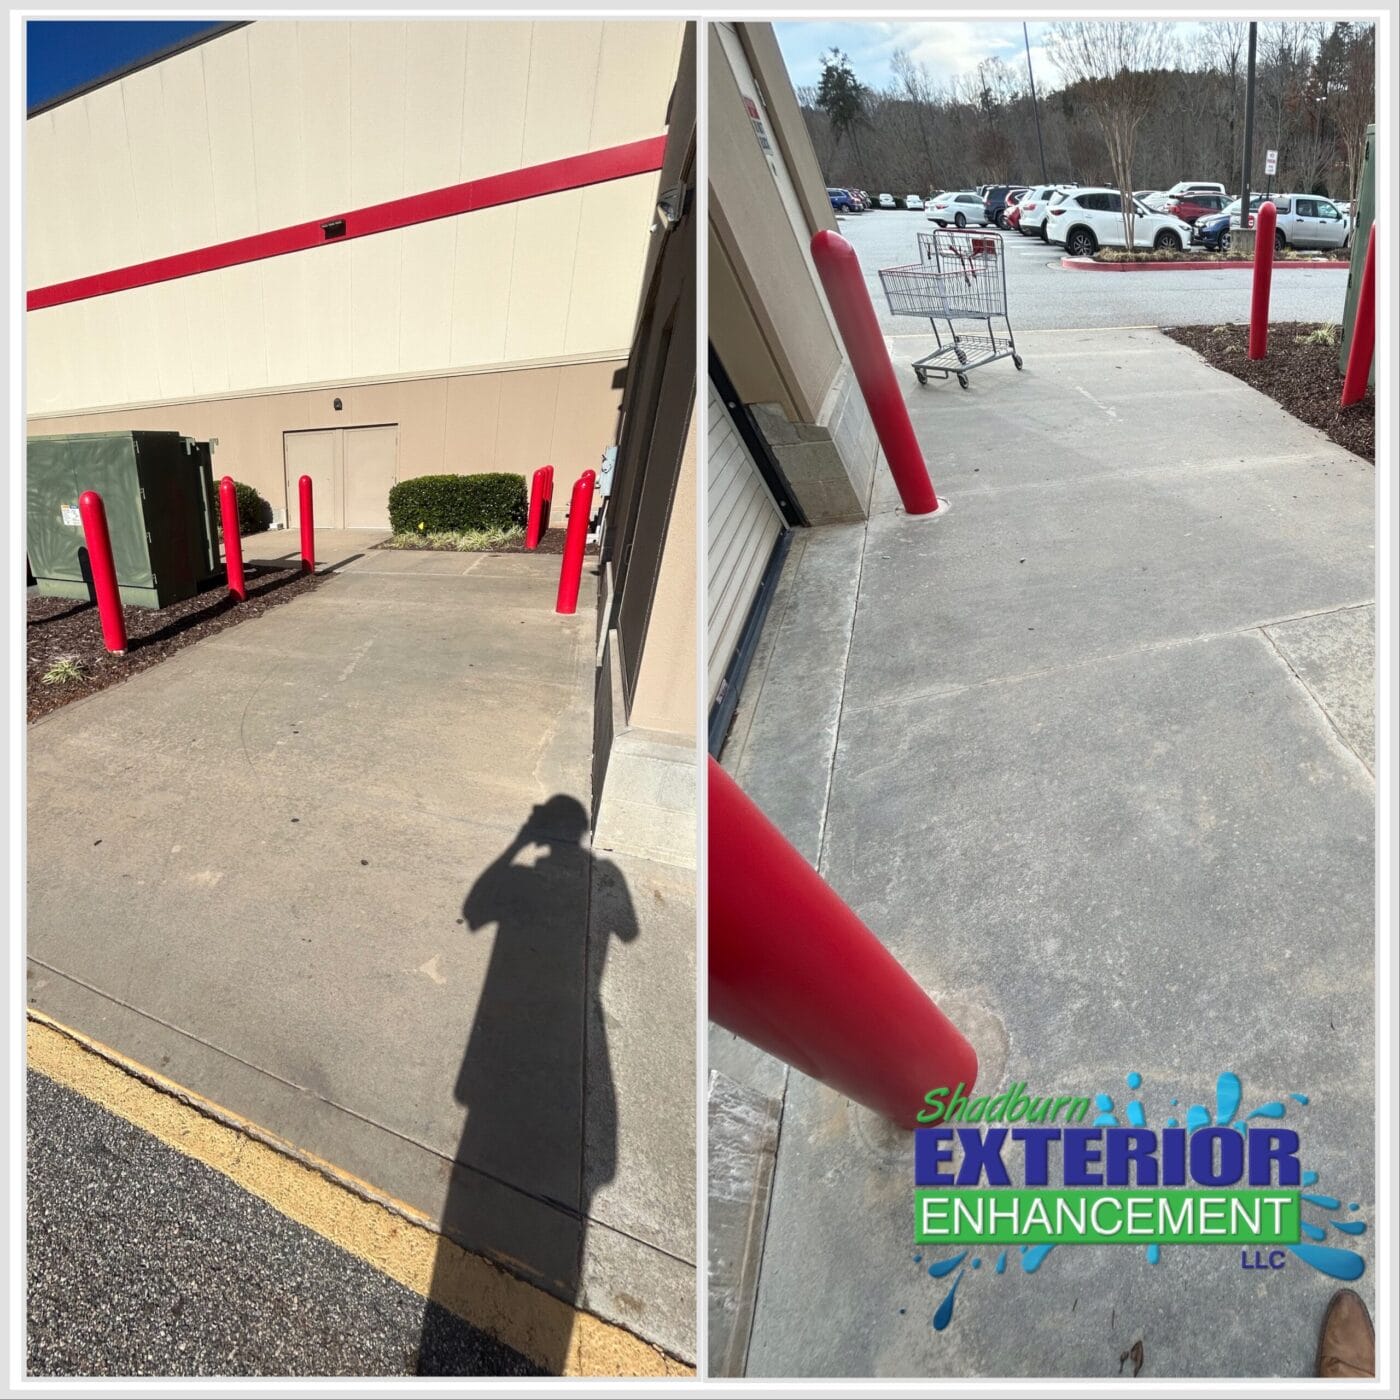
x=1362 y=217
x=162 y=514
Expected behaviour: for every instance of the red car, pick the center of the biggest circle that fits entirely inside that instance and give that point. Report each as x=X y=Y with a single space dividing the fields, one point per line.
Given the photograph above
x=1013 y=211
x=1190 y=207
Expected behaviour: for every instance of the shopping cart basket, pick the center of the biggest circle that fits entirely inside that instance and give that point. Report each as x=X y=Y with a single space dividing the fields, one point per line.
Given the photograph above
x=960 y=278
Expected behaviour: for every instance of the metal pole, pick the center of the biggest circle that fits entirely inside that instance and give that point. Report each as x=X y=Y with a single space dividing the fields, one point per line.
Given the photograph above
x=1035 y=106
x=1246 y=191
x=1263 y=280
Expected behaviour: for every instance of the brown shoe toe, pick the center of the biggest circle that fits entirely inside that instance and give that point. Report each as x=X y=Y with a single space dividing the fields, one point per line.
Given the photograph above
x=1347 y=1347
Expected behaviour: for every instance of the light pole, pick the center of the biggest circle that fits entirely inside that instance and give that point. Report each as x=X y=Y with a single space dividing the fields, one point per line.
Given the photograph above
x=1246 y=226
x=1035 y=106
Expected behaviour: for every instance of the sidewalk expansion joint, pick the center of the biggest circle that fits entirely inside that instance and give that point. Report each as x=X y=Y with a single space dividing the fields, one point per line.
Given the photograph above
x=351 y=1213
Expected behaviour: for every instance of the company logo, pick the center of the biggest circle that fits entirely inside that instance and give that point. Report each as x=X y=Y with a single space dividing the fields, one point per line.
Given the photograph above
x=1018 y=1174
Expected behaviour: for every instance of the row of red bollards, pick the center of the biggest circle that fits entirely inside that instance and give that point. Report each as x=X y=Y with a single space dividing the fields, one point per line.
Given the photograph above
x=1363 y=331
x=104 y=570
x=575 y=536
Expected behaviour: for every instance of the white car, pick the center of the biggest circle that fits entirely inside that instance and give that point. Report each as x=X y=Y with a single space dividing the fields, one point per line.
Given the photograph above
x=886 y=201
x=957 y=207
x=1034 y=204
x=1083 y=221
x=912 y=201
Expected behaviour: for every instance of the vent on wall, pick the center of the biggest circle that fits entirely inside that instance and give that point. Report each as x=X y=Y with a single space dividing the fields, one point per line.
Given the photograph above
x=334 y=229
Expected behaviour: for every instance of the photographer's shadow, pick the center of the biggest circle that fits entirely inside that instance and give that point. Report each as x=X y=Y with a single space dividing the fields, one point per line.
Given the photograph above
x=536 y=1081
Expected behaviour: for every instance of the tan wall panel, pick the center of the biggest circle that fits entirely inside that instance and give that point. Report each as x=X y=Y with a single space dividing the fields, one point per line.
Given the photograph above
x=586 y=413
x=282 y=121
x=436 y=57
x=473 y=408
x=665 y=695
x=323 y=53
x=378 y=97
x=750 y=218
x=516 y=420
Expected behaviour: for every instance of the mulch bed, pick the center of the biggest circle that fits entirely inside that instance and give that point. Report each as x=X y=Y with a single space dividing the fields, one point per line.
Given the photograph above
x=60 y=627
x=1304 y=379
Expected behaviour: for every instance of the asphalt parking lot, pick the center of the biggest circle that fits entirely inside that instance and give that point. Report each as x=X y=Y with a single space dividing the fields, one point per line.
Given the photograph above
x=1042 y=295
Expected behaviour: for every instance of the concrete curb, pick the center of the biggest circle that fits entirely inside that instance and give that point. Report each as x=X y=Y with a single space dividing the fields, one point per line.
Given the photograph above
x=388 y=1234
x=1089 y=265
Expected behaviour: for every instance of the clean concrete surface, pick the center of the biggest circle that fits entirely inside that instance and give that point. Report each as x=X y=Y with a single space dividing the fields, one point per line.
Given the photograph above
x=1091 y=753
x=330 y=869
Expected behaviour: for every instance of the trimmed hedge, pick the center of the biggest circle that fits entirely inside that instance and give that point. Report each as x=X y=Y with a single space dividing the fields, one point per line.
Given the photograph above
x=427 y=505
x=254 y=513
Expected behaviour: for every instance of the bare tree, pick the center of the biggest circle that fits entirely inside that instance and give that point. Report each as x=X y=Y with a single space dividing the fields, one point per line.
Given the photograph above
x=1355 y=104
x=1118 y=66
x=911 y=80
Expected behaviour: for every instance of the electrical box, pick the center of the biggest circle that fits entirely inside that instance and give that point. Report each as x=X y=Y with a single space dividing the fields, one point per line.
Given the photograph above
x=162 y=514
x=1362 y=216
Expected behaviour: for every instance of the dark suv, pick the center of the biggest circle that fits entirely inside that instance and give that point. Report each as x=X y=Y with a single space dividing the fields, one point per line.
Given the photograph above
x=995 y=198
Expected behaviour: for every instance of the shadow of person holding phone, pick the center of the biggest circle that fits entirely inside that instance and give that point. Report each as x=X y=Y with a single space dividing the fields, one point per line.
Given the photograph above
x=536 y=1081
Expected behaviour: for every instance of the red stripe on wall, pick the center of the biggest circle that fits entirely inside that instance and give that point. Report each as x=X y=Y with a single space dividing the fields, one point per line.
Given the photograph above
x=553 y=177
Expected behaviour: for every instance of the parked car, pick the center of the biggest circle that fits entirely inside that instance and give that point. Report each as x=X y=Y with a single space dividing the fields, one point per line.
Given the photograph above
x=1195 y=187
x=1190 y=207
x=1084 y=221
x=885 y=201
x=842 y=201
x=865 y=200
x=1013 y=212
x=1032 y=207
x=962 y=207
x=1213 y=230
x=1309 y=221
x=912 y=201
x=995 y=199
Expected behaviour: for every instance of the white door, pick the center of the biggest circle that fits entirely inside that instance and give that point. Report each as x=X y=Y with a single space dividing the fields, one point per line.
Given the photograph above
x=351 y=471
x=744 y=525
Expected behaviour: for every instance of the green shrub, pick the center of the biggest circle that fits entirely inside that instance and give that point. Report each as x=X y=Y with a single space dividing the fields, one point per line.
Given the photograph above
x=429 y=505
x=254 y=513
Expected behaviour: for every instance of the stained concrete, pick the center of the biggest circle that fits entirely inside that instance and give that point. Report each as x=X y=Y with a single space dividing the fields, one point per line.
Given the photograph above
x=1095 y=773
x=330 y=869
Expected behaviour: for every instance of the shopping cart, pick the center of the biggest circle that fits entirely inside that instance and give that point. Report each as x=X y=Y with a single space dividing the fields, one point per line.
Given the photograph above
x=960 y=277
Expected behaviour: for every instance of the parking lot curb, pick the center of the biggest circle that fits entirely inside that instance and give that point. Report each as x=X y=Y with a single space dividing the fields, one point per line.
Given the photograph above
x=352 y=1214
x=1089 y=265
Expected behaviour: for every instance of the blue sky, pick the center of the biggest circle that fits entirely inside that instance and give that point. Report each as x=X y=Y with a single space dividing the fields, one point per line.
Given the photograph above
x=63 y=54
x=947 y=47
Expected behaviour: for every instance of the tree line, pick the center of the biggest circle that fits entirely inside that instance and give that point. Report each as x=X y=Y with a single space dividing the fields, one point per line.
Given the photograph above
x=1137 y=108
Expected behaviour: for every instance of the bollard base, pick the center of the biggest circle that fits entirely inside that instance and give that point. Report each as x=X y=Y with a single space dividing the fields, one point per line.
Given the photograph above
x=937 y=513
x=1242 y=241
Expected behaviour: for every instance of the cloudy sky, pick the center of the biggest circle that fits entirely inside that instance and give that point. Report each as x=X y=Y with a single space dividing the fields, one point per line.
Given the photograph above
x=948 y=47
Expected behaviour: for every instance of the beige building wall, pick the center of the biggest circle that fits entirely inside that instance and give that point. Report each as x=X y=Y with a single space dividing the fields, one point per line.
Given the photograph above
x=664 y=698
x=769 y=320
x=280 y=122
x=511 y=420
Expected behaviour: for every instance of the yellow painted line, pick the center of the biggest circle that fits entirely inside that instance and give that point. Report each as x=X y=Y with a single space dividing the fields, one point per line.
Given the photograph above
x=393 y=1237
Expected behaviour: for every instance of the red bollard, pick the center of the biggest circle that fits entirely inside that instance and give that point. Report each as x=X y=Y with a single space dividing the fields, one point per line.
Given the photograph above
x=795 y=972
x=308 y=526
x=580 y=503
x=541 y=488
x=104 y=572
x=1363 y=329
x=1264 y=224
x=840 y=272
x=233 y=545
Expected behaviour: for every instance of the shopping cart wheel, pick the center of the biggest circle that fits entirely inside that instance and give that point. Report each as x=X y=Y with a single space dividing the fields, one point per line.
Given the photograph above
x=1017 y=361
x=921 y=376
x=962 y=379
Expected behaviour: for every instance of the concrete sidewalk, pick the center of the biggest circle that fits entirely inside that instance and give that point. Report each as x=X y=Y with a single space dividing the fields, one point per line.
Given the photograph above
x=1092 y=754
x=330 y=869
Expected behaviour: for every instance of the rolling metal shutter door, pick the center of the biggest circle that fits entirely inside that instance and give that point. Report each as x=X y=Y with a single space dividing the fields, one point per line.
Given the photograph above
x=744 y=525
